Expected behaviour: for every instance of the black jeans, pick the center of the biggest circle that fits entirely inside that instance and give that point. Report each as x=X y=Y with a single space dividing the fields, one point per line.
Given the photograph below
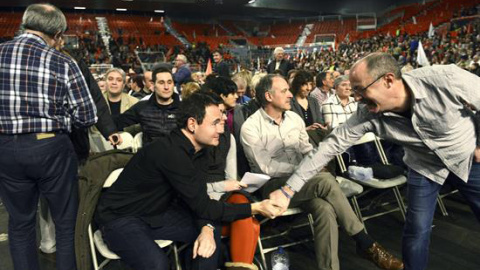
x=30 y=166
x=133 y=239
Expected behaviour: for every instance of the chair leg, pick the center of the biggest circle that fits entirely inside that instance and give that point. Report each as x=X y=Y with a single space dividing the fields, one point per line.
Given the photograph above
x=442 y=207
x=262 y=254
x=92 y=248
x=358 y=211
x=178 y=266
x=400 y=202
x=310 y=222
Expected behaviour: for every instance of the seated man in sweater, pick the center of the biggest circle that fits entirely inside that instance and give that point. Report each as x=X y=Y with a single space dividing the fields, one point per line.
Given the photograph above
x=275 y=141
x=158 y=115
x=162 y=194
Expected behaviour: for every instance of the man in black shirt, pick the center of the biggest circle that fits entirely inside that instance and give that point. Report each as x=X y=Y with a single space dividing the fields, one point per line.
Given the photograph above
x=158 y=115
x=139 y=207
x=220 y=67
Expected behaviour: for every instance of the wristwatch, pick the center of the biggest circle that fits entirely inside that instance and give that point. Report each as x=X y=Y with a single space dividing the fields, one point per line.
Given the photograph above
x=210 y=226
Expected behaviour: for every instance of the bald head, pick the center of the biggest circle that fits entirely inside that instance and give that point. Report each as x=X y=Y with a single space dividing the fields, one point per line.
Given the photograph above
x=376 y=64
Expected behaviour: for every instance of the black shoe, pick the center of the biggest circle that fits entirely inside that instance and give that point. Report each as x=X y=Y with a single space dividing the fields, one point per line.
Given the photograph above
x=51 y=257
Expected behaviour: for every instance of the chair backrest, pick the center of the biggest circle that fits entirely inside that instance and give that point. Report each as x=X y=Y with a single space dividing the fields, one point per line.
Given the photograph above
x=112 y=178
x=367 y=137
x=371 y=137
x=137 y=141
x=127 y=139
x=98 y=143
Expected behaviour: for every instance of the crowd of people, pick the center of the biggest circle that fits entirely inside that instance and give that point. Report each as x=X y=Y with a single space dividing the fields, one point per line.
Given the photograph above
x=202 y=132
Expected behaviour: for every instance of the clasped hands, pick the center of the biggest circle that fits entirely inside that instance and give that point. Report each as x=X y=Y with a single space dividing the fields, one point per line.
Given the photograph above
x=275 y=205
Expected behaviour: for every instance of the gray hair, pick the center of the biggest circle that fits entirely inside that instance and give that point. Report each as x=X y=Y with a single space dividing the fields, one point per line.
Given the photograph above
x=44 y=18
x=264 y=86
x=381 y=63
x=119 y=70
x=340 y=79
x=182 y=57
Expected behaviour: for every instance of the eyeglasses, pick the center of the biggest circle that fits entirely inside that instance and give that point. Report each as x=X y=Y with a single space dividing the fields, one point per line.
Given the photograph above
x=363 y=90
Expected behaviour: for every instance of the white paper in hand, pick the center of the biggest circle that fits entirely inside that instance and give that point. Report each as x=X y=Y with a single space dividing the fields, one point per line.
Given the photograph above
x=254 y=181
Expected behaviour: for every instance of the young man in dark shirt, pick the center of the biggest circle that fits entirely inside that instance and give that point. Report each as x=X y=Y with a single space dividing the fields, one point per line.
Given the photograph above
x=158 y=115
x=140 y=208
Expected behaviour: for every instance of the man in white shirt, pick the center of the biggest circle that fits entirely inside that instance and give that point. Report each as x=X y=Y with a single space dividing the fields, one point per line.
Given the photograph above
x=275 y=141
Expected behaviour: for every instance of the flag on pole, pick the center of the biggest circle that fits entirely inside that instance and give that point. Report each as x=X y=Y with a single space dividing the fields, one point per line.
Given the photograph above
x=431 y=33
x=421 y=56
x=209 y=68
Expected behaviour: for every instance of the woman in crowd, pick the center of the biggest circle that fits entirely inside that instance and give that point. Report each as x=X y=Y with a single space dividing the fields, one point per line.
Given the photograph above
x=339 y=107
x=240 y=79
x=222 y=184
x=304 y=105
x=227 y=90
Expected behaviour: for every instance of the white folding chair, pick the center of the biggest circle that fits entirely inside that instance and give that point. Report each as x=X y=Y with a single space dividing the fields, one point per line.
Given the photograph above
x=137 y=142
x=127 y=141
x=374 y=183
x=289 y=212
x=97 y=243
x=99 y=144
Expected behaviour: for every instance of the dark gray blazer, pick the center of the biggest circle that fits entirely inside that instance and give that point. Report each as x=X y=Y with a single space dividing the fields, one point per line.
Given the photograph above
x=313 y=106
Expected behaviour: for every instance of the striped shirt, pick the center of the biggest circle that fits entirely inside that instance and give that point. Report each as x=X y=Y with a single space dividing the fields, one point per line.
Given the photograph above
x=439 y=138
x=41 y=89
x=335 y=113
x=321 y=96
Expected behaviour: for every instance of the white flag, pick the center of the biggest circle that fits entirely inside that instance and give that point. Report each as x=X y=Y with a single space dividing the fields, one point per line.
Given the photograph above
x=431 y=33
x=414 y=20
x=421 y=56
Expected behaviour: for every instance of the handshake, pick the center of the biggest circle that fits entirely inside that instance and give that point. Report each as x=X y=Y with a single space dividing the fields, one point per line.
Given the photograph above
x=275 y=206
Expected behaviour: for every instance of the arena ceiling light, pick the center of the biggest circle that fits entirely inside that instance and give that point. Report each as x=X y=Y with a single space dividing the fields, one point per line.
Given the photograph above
x=159 y=11
x=121 y=9
x=251 y=1
x=79 y=8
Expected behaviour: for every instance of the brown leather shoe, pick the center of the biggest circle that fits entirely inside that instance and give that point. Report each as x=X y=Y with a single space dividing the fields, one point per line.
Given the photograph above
x=381 y=257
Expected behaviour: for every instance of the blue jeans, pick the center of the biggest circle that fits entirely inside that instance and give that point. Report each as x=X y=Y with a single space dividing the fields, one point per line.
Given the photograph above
x=132 y=239
x=422 y=199
x=29 y=167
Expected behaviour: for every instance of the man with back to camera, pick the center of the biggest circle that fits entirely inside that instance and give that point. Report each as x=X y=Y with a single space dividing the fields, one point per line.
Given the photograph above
x=40 y=100
x=139 y=207
x=429 y=112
